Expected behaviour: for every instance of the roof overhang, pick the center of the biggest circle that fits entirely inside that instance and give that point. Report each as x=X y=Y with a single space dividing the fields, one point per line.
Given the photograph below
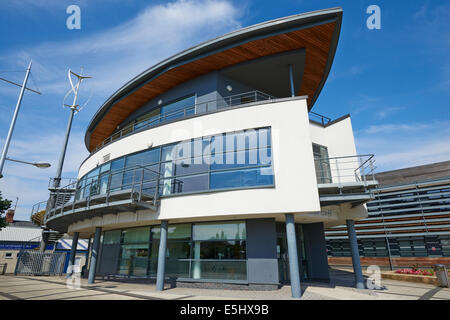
x=317 y=33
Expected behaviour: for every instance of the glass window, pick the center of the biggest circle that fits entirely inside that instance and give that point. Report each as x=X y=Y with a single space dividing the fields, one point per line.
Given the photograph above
x=112 y=237
x=168 y=152
x=241 y=178
x=322 y=164
x=191 y=166
x=190 y=183
x=222 y=250
x=173 y=109
x=219 y=270
x=174 y=232
x=142 y=158
x=134 y=260
x=246 y=158
x=247 y=139
x=219 y=231
x=105 y=167
x=117 y=164
x=136 y=235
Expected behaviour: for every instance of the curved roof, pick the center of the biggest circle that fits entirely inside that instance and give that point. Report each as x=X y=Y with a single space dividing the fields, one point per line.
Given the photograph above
x=317 y=32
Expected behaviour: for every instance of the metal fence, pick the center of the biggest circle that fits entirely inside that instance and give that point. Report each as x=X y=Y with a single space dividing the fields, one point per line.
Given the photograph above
x=345 y=169
x=35 y=263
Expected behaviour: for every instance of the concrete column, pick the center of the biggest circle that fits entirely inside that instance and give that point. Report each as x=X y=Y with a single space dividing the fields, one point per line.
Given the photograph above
x=355 y=254
x=94 y=255
x=293 y=256
x=73 y=253
x=161 y=257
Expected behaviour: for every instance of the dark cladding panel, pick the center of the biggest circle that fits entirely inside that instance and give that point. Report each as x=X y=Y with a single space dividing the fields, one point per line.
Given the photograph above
x=109 y=259
x=315 y=247
x=262 y=251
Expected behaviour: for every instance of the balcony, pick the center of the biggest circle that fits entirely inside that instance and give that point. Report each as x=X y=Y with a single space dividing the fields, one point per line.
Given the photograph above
x=101 y=195
x=345 y=179
x=197 y=109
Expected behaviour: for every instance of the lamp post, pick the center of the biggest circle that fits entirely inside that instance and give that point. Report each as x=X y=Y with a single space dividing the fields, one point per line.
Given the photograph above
x=41 y=165
x=13 y=121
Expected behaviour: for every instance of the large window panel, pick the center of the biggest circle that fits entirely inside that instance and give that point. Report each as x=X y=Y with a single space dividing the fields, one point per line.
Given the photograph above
x=134 y=260
x=241 y=178
x=136 y=235
x=219 y=231
x=112 y=237
x=222 y=250
x=118 y=164
x=179 y=105
x=190 y=183
x=174 y=232
x=190 y=166
x=239 y=159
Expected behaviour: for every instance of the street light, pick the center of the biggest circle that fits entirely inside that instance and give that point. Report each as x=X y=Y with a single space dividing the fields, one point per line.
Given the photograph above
x=14 y=118
x=40 y=165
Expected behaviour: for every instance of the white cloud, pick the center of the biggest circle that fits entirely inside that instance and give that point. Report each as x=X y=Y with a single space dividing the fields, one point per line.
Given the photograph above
x=391 y=128
x=111 y=57
x=114 y=56
x=402 y=145
x=381 y=114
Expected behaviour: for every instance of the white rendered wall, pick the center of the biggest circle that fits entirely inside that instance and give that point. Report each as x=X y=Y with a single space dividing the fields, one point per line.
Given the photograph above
x=339 y=140
x=295 y=180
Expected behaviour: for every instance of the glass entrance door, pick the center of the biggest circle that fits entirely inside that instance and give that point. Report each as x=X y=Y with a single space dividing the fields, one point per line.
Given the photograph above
x=283 y=256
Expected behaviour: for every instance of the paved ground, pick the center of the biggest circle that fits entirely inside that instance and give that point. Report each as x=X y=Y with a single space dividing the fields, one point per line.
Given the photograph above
x=340 y=288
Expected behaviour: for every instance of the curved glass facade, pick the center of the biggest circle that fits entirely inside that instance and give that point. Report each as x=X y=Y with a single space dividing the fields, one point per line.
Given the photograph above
x=241 y=159
x=199 y=251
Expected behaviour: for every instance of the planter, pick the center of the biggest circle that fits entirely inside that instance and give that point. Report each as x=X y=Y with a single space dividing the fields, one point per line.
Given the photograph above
x=410 y=277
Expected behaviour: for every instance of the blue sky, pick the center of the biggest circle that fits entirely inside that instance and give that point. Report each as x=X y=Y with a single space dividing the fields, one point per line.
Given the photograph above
x=395 y=82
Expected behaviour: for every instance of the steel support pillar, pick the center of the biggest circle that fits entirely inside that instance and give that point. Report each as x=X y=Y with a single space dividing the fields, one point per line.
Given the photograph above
x=355 y=254
x=94 y=255
x=162 y=257
x=293 y=256
x=291 y=80
x=73 y=253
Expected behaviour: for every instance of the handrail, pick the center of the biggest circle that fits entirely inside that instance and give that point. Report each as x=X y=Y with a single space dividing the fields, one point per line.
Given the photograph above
x=323 y=119
x=351 y=168
x=225 y=102
x=71 y=192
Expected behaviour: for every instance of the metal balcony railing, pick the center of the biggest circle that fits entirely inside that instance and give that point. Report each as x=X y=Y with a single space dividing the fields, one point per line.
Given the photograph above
x=132 y=183
x=62 y=181
x=199 y=108
x=319 y=118
x=38 y=212
x=345 y=169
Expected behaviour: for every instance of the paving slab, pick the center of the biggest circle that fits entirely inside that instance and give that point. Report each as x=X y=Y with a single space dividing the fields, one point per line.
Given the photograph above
x=341 y=287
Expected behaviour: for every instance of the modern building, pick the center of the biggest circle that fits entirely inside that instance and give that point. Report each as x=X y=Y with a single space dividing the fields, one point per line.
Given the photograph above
x=211 y=168
x=408 y=221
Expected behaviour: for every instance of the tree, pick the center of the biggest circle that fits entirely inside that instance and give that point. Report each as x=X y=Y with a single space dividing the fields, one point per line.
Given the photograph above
x=4 y=205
